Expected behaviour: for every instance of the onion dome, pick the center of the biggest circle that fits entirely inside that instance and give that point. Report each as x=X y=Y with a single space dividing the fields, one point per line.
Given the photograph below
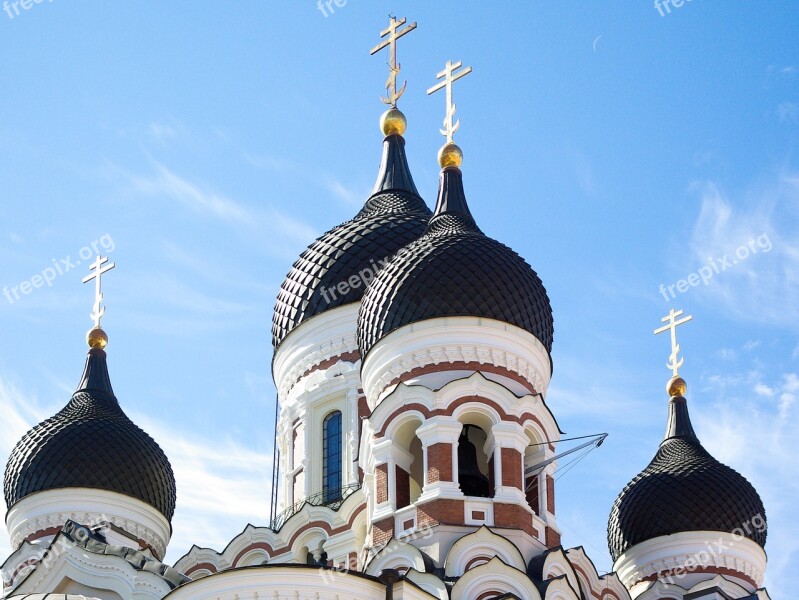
x=334 y=270
x=91 y=443
x=684 y=489
x=454 y=269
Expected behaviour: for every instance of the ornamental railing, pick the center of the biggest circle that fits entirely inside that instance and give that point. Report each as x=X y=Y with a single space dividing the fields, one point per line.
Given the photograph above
x=328 y=498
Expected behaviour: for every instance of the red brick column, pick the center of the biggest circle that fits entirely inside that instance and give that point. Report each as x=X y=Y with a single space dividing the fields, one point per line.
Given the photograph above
x=533 y=498
x=550 y=494
x=552 y=538
x=381 y=483
x=492 y=477
x=512 y=468
x=403 y=487
x=382 y=531
x=439 y=463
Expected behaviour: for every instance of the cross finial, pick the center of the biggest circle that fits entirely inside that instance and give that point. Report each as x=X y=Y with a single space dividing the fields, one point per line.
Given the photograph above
x=449 y=77
x=98 y=268
x=394 y=33
x=671 y=325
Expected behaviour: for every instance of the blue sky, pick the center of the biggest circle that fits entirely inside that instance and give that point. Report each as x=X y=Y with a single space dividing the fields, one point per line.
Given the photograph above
x=614 y=148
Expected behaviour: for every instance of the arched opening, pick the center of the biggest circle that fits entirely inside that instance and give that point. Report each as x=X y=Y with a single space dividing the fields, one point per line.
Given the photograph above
x=535 y=454
x=409 y=481
x=474 y=469
x=332 y=457
x=417 y=469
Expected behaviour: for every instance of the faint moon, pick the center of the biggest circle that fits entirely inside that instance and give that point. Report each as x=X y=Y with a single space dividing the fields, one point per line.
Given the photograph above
x=596 y=41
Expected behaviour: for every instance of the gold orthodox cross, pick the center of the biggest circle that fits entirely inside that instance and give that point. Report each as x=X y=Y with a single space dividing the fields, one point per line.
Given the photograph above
x=394 y=67
x=98 y=270
x=449 y=77
x=671 y=325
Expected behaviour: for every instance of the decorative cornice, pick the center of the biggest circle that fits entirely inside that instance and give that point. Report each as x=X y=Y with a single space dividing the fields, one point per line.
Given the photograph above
x=325 y=336
x=39 y=513
x=454 y=340
x=671 y=557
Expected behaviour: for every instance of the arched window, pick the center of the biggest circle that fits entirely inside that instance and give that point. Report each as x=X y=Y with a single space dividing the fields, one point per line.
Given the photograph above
x=331 y=457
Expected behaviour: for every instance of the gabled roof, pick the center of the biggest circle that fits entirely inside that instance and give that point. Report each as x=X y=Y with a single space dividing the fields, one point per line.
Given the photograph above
x=76 y=536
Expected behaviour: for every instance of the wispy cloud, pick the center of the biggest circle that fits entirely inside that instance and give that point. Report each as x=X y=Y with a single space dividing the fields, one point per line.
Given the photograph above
x=787 y=70
x=161 y=132
x=274 y=229
x=223 y=483
x=762 y=287
x=762 y=389
x=751 y=345
x=270 y=162
x=754 y=434
x=581 y=390
x=191 y=195
x=348 y=195
x=20 y=412
x=726 y=354
x=583 y=171
x=186 y=311
x=788 y=112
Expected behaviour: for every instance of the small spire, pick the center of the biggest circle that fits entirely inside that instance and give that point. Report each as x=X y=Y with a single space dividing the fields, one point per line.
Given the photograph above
x=95 y=374
x=450 y=154
x=96 y=337
x=676 y=385
x=451 y=197
x=679 y=423
x=394 y=173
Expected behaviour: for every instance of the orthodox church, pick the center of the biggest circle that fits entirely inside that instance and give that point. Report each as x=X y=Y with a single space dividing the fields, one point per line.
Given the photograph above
x=415 y=450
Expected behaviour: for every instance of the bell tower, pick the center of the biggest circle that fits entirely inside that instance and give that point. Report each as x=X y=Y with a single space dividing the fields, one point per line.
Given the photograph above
x=455 y=334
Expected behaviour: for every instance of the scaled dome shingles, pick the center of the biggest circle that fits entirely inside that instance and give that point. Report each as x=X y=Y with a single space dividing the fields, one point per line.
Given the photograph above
x=684 y=489
x=91 y=443
x=387 y=222
x=455 y=270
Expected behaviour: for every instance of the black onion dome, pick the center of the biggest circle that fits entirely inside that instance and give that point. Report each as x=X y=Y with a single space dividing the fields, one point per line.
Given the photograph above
x=454 y=269
x=319 y=280
x=684 y=489
x=91 y=443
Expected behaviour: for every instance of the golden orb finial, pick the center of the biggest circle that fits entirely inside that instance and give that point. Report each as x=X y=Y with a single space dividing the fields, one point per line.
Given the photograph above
x=676 y=387
x=450 y=155
x=96 y=338
x=393 y=122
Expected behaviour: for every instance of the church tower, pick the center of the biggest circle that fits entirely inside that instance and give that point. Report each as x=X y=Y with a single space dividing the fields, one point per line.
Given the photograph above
x=455 y=334
x=688 y=526
x=316 y=364
x=90 y=476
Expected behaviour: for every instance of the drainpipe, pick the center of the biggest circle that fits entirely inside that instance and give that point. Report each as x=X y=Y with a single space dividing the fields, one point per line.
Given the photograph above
x=389 y=577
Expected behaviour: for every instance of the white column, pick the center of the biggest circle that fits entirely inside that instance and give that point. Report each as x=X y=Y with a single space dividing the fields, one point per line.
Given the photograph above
x=351 y=458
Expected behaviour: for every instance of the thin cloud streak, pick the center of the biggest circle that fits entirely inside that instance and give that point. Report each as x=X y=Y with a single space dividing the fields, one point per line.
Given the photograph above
x=204 y=201
x=349 y=196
